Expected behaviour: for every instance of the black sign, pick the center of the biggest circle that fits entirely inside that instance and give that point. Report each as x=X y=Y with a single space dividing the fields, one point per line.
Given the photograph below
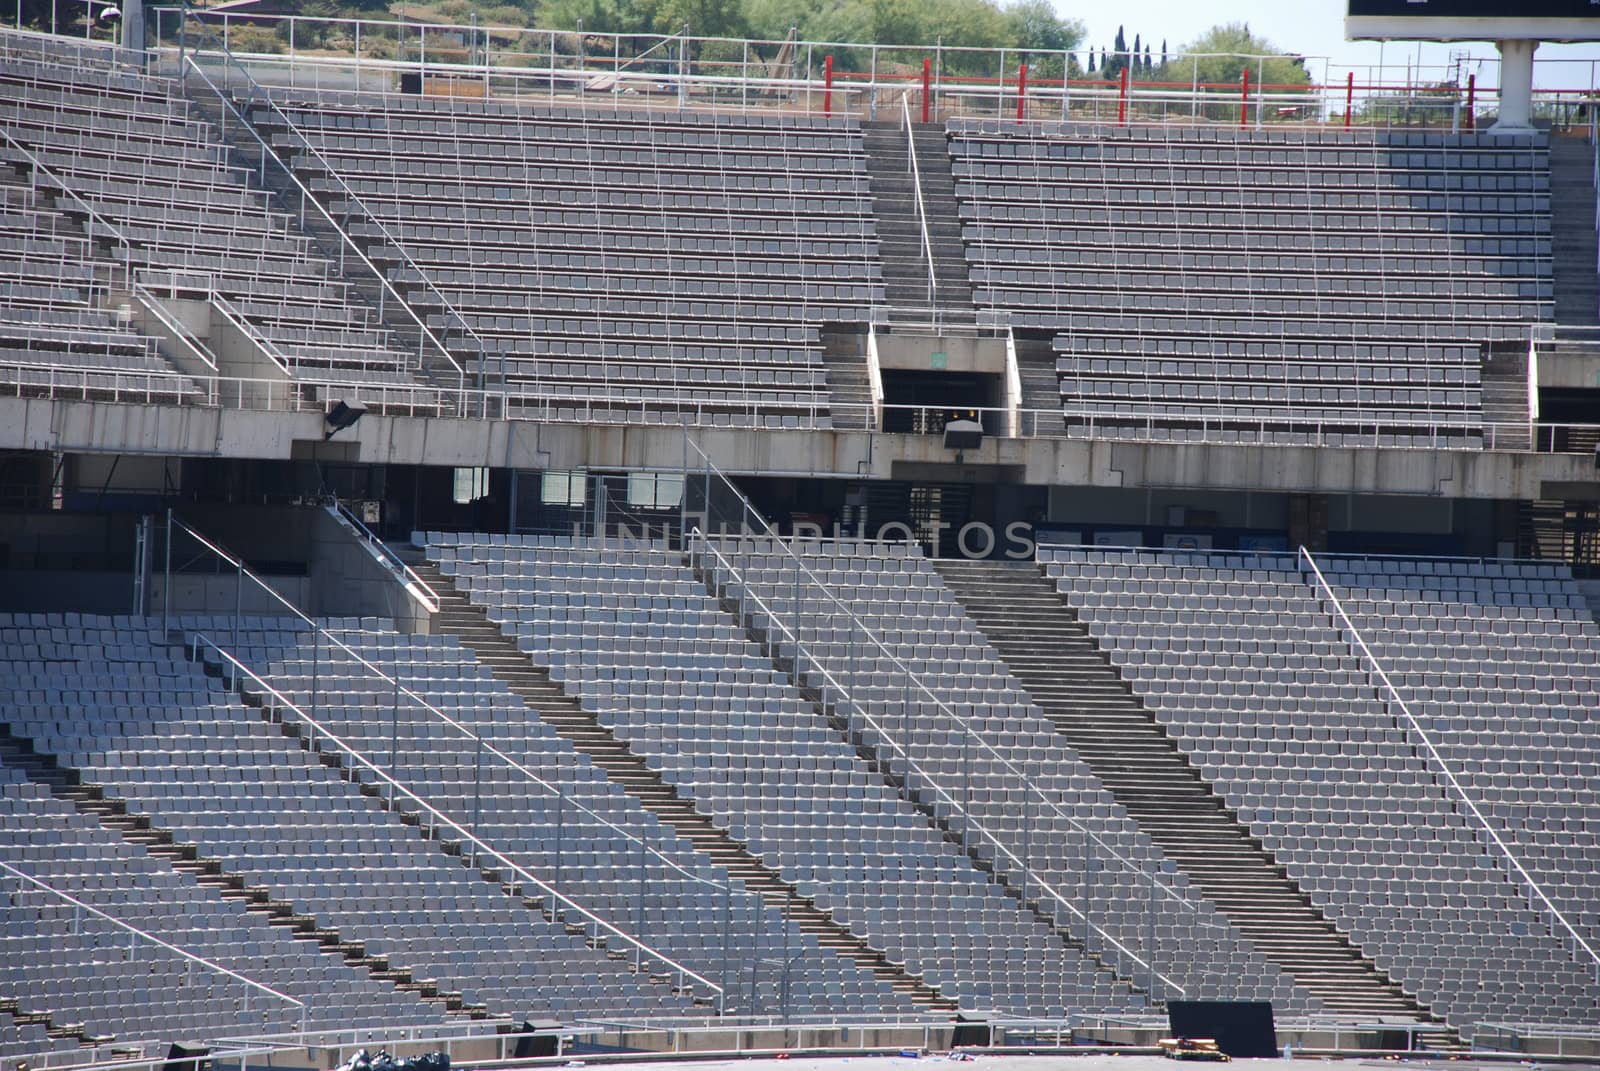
x=1476 y=9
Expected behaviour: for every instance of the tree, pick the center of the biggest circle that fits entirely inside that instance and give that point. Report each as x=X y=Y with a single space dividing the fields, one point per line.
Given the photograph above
x=1035 y=26
x=1221 y=54
x=1091 y=61
x=1111 y=67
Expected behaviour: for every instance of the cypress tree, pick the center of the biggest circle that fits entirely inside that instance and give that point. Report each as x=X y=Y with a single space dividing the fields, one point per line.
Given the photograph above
x=1091 y=61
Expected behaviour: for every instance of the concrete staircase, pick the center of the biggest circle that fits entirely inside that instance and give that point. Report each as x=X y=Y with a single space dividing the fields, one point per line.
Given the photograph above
x=849 y=390
x=1041 y=387
x=1072 y=681
x=894 y=199
x=1572 y=222
x=1504 y=378
x=459 y=617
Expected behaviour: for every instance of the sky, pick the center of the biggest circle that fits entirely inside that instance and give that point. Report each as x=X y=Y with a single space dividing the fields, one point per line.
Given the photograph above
x=1316 y=28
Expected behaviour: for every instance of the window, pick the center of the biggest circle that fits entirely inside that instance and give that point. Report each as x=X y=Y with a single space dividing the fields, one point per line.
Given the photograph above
x=471 y=484
x=649 y=490
x=563 y=488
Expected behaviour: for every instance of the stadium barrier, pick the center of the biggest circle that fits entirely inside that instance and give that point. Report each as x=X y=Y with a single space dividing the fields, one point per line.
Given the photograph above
x=831 y=78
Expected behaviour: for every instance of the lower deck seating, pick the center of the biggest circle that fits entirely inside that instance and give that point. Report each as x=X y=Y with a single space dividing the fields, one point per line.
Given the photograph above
x=632 y=633
x=952 y=720
x=108 y=697
x=1240 y=658
x=594 y=843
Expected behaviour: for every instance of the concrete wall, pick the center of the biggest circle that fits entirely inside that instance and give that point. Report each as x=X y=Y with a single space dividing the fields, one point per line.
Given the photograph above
x=71 y=426
x=348 y=579
x=924 y=353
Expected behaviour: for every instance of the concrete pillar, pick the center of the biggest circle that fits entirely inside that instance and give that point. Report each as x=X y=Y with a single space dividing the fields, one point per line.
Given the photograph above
x=1516 y=87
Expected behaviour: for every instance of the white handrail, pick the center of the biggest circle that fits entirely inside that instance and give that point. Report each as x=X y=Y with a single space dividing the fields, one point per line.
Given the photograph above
x=401 y=689
x=308 y=197
x=480 y=848
x=39 y=168
x=911 y=764
x=1444 y=768
x=153 y=939
x=415 y=586
x=191 y=342
x=236 y=318
x=922 y=211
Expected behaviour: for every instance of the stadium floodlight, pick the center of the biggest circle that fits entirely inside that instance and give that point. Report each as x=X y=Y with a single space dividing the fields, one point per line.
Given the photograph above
x=341 y=416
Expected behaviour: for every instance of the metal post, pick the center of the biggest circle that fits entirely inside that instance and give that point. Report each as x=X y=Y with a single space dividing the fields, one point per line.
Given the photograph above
x=727 y=919
x=316 y=665
x=238 y=603
x=1244 y=98
x=1349 y=97
x=1472 y=93
x=783 y=987
x=560 y=820
x=477 y=796
x=1150 y=943
x=394 y=737
x=1022 y=90
x=927 y=65
x=1122 y=96
x=638 y=915
x=827 y=85
x=166 y=583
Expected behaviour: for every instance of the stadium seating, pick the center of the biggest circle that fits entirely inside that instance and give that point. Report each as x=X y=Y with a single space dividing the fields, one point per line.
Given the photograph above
x=1240 y=660
x=1498 y=661
x=590 y=847
x=622 y=264
x=974 y=720
x=1272 y=286
x=139 y=154
x=83 y=969
x=631 y=632
x=107 y=698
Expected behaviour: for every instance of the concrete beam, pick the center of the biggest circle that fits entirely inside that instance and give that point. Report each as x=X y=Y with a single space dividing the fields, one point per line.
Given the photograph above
x=97 y=427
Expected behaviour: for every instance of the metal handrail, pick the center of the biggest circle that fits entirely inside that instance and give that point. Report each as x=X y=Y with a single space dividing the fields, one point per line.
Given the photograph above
x=1530 y=881
x=258 y=92
x=414 y=584
x=480 y=847
x=400 y=689
x=308 y=197
x=877 y=642
x=40 y=168
x=236 y=317
x=946 y=797
x=922 y=211
x=153 y=939
x=190 y=340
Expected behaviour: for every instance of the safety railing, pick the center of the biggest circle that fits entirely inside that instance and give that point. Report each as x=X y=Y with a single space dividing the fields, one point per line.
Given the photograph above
x=393 y=684
x=726 y=574
x=240 y=323
x=810 y=582
x=256 y=94
x=320 y=737
x=915 y=167
x=184 y=338
x=413 y=584
x=40 y=171
x=135 y=933
x=862 y=78
x=305 y=391
x=1436 y=758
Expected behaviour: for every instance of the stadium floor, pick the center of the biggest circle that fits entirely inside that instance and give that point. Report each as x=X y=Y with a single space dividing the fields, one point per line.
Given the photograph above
x=1085 y=1062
